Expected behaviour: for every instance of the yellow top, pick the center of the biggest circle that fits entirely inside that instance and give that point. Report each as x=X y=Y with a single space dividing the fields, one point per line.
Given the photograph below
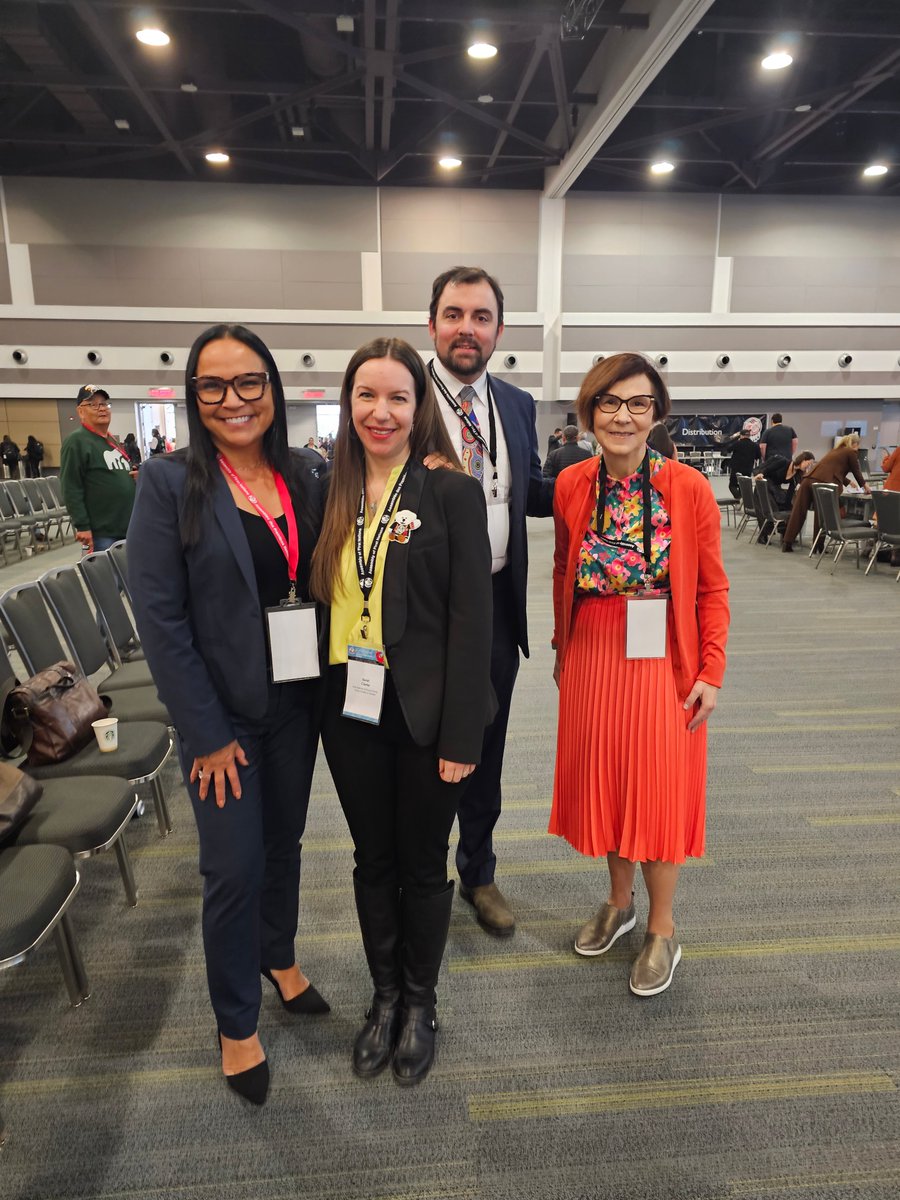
x=347 y=601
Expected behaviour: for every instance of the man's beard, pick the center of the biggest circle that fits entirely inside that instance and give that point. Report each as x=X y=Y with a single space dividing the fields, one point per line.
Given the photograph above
x=471 y=365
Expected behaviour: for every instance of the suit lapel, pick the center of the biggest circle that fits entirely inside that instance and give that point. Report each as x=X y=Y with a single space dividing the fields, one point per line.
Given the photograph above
x=227 y=515
x=393 y=593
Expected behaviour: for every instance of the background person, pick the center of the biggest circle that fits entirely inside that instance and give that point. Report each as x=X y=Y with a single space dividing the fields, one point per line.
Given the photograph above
x=555 y=440
x=95 y=475
x=660 y=439
x=421 y=597
x=779 y=439
x=834 y=467
x=569 y=452
x=204 y=564
x=745 y=454
x=630 y=779
x=157 y=442
x=11 y=456
x=491 y=425
x=34 y=456
x=890 y=464
x=132 y=449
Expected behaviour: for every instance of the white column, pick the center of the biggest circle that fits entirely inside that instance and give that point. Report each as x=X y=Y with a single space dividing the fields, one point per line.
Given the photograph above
x=550 y=252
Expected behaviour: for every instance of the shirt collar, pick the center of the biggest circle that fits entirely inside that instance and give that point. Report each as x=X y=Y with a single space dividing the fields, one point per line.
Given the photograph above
x=454 y=385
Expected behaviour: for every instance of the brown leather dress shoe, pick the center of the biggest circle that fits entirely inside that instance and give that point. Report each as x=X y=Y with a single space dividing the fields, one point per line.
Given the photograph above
x=493 y=913
x=655 y=965
x=606 y=927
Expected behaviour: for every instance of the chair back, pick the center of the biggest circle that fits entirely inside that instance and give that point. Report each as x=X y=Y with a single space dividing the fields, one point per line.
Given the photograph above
x=7 y=508
x=745 y=483
x=887 y=511
x=118 y=556
x=56 y=489
x=65 y=595
x=102 y=583
x=46 y=490
x=33 y=492
x=760 y=501
x=825 y=495
x=19 y=497
x=27 y=618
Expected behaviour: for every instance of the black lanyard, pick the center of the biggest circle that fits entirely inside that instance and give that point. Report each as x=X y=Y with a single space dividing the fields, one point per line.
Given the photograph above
x=365 y=567
x=489 y=448
x=646 y=513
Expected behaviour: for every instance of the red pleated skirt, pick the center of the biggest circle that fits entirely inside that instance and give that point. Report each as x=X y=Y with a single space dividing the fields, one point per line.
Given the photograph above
x=629 y=776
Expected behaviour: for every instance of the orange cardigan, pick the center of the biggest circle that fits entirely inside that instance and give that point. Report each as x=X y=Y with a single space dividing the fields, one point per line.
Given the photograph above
x=696 y=575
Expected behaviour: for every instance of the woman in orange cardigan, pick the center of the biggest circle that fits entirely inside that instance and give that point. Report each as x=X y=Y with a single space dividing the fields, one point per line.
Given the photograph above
x=640 y=601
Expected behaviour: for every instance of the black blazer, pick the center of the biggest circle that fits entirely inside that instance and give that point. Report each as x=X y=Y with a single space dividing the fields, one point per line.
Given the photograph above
x=197 y=610
x=436 y=614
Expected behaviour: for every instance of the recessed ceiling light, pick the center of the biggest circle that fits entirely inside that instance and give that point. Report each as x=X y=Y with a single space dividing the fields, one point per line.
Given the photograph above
x=487 y=98
x=298 y=131
x=121 y=123
x=803 y=108
x=875 y=169
x=218 y=157
x=344 y=23
x=152 y=37
x=482 y=50
x=449 y=162
x=777 y=61
x=663 y=167
x=189 y=87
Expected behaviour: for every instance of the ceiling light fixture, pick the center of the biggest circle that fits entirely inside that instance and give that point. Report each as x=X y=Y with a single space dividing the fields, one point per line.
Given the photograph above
x=344 y=23
x=663 y=167
x=482 y=50
x=449 y=162
x=298 y=131
x=875 y=169
x=218 y=157
x=777 y=60
x=121 y=123
x=152 y=37
x=189 y=87
x=802 y=108
x=487 y=98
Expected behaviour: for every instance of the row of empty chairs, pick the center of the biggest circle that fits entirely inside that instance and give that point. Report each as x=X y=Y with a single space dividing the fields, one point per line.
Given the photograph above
x=89 y=800
x=32 y=515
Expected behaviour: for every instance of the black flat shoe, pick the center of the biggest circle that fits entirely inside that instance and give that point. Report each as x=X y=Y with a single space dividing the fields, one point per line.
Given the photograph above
x=251 y=1085
x=308 y=1004
x=375 y=1042
x=414 y=1052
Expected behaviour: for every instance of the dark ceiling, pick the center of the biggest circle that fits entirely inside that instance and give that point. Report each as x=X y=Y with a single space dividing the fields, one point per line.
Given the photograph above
x=291 y=99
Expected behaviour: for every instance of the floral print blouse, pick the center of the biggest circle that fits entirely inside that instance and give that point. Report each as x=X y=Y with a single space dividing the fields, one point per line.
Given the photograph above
x=614 y=564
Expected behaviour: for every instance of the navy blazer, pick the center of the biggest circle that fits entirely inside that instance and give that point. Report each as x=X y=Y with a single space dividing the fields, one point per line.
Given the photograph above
x=530 y=493
x=436 y=614
x=197 y=609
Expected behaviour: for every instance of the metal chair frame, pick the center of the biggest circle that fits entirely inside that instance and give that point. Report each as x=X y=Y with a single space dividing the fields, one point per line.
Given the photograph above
x=837 y=533
x=66 y=946
x=887 y=531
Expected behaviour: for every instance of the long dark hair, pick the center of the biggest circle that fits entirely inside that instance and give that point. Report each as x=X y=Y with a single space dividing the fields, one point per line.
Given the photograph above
x=200 y=456
x=428 y=436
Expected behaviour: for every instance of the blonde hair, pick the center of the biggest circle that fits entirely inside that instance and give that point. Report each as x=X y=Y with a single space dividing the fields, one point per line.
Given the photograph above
x=849 y=439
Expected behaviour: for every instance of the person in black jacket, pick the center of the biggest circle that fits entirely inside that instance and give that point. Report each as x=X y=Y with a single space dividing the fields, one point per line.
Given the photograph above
x=221 y=532
x=405 y=562
x=568 y=453
x=744 y=456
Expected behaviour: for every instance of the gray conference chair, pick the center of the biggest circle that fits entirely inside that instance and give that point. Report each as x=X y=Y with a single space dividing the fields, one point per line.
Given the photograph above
x=118 y=556
x=748 y=504
x=887 y=533
x=771 y=517
x=37 y=885
x=15 y=524
x=839 y=534
x=100 y=577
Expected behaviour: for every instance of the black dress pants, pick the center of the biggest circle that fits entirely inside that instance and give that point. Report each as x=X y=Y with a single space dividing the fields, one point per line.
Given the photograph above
x=250 y=854
x=399 y=810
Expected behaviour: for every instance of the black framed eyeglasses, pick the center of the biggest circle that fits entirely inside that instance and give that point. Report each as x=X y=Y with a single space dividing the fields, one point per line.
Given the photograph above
x=636 y=405
x=210 y=389
x=96 y=403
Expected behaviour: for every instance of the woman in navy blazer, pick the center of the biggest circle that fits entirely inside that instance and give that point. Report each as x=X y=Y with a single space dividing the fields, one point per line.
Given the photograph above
x=209 y=548
x=399 y=778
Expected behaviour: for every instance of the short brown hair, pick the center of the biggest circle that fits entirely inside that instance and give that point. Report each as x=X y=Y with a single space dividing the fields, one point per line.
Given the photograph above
x=604 y=376
x=464 y=275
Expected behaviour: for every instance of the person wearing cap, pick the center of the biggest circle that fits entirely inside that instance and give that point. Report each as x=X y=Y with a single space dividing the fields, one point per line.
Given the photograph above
x=96 y=475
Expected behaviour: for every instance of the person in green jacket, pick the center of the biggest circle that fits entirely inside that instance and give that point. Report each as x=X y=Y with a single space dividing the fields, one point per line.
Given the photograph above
x=96 y=475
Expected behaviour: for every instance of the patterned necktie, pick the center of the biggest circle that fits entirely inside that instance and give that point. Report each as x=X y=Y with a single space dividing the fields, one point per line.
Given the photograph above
x=472 y=453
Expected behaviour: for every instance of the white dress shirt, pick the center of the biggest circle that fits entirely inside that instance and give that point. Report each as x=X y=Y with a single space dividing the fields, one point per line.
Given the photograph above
x=498 y=506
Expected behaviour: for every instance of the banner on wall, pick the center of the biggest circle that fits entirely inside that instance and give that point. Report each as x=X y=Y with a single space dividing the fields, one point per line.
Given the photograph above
x=711 y=432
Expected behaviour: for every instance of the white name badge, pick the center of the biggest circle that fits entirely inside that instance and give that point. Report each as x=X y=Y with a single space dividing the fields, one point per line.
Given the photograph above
x=365 y=683
x=293 y=642
x=645 y=627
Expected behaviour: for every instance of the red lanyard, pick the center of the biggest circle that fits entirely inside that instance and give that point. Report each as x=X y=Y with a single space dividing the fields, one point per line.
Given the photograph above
x=290 y=548
x=109 y=441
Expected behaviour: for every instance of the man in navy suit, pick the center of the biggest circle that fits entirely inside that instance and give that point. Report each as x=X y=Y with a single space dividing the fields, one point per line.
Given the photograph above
x=492 y=426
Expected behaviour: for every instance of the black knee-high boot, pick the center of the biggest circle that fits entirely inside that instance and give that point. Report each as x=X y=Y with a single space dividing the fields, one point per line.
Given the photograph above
x=378 y=909
x=426 y=921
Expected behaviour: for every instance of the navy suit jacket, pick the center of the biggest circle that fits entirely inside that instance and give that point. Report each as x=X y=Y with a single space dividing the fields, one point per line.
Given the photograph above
x=530 y=494
x=197 y=609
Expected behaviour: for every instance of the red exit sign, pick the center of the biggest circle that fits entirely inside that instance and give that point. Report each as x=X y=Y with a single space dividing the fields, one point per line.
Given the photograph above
x=165 y=393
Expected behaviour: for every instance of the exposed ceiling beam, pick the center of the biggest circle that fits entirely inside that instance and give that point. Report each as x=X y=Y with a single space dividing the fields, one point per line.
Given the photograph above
x=100 y=35
x=391 y=39
x=540 y=49
x=371 y=72
x=631 y=61
x=305 y=24
x=557 y=70
x=807 y=26
x=410 y=145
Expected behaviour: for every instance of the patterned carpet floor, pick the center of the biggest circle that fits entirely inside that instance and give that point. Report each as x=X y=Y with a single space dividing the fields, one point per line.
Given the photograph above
x=770 y=1069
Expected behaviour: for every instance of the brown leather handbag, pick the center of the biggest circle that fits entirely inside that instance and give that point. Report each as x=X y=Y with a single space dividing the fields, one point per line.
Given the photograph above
x=51 y=713
x=19 y=793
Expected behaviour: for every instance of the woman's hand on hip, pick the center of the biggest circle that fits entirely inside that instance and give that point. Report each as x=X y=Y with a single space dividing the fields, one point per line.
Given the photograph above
x=453 y=772
x=218 y=767
x=704 y=695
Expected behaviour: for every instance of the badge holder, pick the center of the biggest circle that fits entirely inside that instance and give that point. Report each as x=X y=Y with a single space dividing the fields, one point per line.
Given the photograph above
x=293 y=636
x=364 y=696
x=645 y=626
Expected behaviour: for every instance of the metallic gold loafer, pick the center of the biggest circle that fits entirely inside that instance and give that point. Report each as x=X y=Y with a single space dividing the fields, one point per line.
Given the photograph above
x=604 y=929
x=655 y=965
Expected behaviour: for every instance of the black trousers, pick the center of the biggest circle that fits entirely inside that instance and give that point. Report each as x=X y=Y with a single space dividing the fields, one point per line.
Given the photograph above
x=399 y=810
x=479 y=806
x=250 y=854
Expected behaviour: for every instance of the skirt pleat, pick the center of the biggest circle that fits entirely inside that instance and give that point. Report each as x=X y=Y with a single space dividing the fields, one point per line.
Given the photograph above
x=629 y=777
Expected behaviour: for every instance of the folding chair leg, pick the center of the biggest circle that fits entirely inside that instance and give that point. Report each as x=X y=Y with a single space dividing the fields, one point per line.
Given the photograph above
x=163 y=819
x=873 y=557
x=70 y=961
x=812 y=548
x=742 y=526
x=840 y=551
x=124 y=860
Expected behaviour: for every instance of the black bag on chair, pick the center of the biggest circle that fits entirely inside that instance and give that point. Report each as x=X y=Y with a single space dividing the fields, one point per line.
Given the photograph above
x=51 y=713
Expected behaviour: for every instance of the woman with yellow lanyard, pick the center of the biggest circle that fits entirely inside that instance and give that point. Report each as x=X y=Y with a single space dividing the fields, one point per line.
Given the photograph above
x=405 y=562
